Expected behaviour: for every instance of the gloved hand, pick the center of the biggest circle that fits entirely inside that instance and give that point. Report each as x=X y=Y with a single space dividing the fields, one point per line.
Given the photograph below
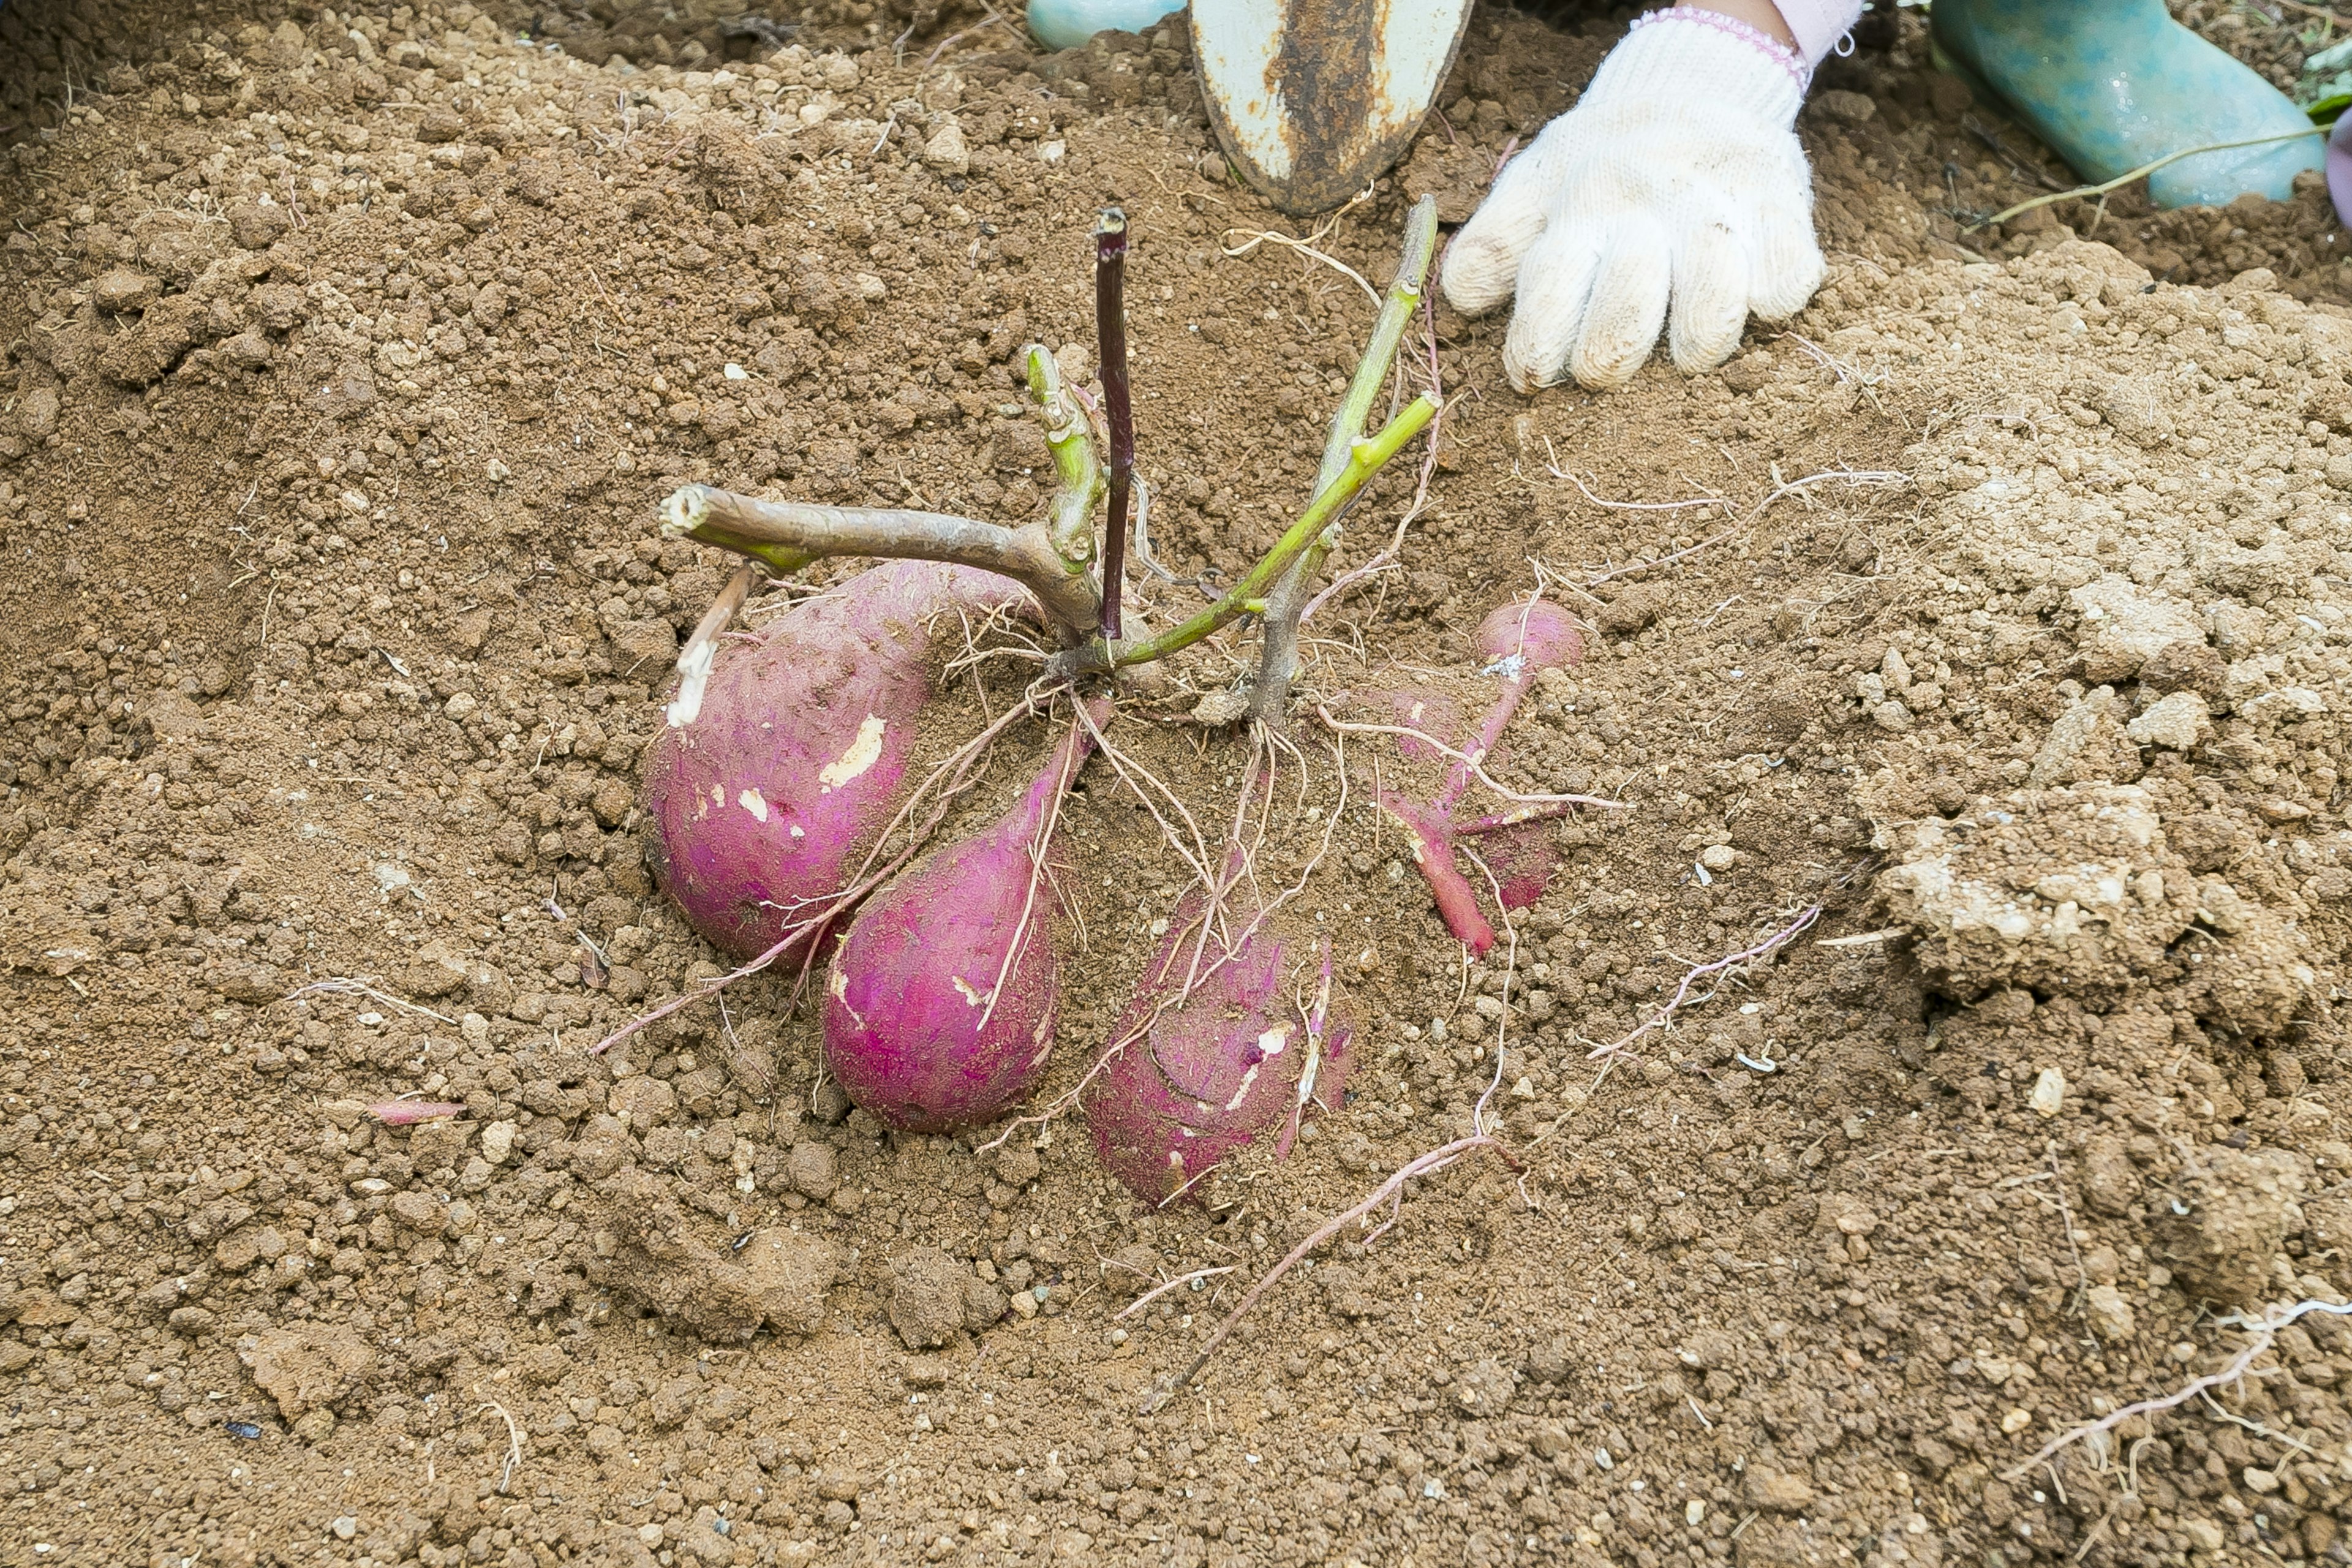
x=1678 y=176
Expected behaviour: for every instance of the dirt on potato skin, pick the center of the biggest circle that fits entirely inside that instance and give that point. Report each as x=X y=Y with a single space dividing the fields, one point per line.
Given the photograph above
x=299 y=685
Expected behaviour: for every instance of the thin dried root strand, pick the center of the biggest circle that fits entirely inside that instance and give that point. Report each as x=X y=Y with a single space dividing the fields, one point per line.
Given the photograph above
x=1510 y=972
x=1426 y=1164
x=2103 y=188
x=514 y=1440
x=1868 y=477
x=343 y=985
x=1161 y=1290
x=1664 y=1015
x=1254 y=238
x=1130 y=770
x=1475 y=764
x=1055 y=1109
x=2265 y=1329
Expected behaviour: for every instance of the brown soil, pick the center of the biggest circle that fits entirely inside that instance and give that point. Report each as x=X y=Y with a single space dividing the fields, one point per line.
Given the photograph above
x=347 y=371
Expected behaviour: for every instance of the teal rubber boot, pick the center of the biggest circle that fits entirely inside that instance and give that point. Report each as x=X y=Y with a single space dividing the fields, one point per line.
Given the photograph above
x=1066 y=23
x=2115 y=85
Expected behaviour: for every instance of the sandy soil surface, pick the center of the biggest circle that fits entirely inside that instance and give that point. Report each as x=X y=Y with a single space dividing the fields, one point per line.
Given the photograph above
x=1996 y=683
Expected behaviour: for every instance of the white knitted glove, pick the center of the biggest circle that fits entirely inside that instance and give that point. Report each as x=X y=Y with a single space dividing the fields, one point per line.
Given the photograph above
x=1677 y=175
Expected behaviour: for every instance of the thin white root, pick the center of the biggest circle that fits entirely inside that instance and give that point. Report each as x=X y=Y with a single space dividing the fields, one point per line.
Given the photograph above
x=1254 y=238
x=342 y=985
x=1142 y=1301
x=1426 y=1164
x=514 y=1441
x=1510 y=973
x=1475 y=764
x=1664 y=1015
x=1865 y=476
x=2266 y=1328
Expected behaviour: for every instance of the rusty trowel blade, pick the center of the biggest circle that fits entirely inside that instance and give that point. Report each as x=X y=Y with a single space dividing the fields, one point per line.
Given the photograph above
x=1314 y=99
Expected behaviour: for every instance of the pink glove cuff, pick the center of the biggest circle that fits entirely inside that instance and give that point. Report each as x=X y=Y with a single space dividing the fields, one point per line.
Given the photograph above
x=1818 y=24
x=1732 y=27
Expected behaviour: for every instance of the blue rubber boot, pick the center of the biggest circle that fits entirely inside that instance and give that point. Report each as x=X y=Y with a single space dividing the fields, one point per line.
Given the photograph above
x=2114 y=85
x=1066 y=23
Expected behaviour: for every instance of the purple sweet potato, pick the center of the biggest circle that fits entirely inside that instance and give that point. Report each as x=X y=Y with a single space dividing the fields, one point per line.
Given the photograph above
x=1540 y=634
x=766 y=800
x=1185 y=1083
x=939 y=1009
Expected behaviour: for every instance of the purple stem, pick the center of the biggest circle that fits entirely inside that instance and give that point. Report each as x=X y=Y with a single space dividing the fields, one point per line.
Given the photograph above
x=1110 y=337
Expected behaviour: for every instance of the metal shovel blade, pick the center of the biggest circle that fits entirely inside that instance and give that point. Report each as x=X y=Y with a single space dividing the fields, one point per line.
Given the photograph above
x=1314 y=99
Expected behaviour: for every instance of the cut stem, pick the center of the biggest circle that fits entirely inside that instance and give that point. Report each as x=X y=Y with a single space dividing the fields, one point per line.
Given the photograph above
x=766 y=528
x=694 y=659
x=1365 y=459
x=1118 y=411
x=1285 y=606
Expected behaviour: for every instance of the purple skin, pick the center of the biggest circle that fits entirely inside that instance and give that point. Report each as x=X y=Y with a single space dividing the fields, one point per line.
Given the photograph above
x=1210 y=1074
x=1542 y=634
x=1539 y=635
x=918 y=1027
x=767 y=803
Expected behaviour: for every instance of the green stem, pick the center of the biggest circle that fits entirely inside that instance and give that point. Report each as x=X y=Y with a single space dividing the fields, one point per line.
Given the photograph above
x=780 y=560
x=1365 y=458
x=1278 y=659
x=1403 y=299
x=1077 y=472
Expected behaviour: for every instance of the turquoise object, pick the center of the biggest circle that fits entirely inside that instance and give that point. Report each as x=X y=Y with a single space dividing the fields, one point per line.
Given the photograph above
x=1066 y=23
x=2112 y=85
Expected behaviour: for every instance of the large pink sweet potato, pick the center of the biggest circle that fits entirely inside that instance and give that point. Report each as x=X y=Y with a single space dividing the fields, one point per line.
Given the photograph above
x=767 y=799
